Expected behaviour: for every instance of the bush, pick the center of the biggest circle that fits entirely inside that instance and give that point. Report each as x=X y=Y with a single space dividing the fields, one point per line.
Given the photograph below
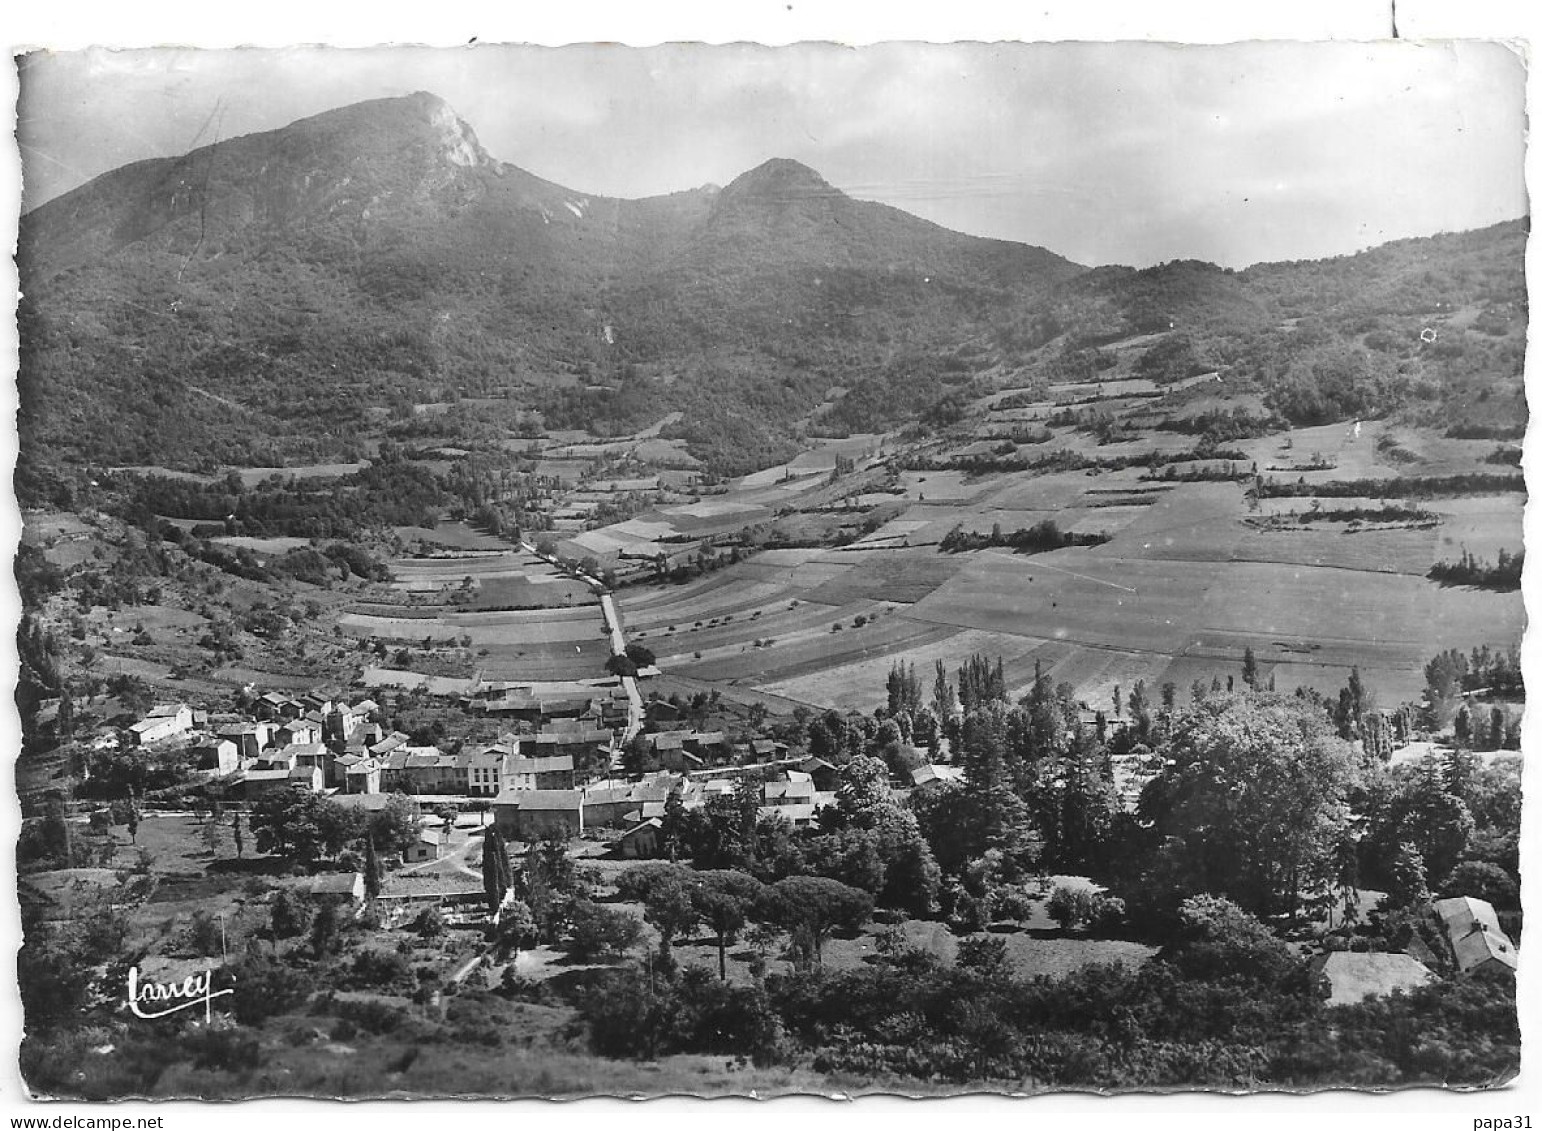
x=371 y=1016
x=692 y=1013
x=379 y=969
x=1070 y=907
x=265 y=988
x=1014 y=904
x=223 y=1050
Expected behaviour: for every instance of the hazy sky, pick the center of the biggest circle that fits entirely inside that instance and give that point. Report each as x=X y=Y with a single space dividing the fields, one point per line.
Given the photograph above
x=1128 y=153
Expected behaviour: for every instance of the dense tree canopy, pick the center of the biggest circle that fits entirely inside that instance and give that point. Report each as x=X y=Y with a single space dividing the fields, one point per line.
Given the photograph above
x=1254 y=797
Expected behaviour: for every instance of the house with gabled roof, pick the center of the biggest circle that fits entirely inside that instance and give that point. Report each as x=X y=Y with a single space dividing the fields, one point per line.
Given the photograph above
x=1352 y=976
x=362 y=776
x=484 y=770
x=296 y=732
x=642 y=841
x=1477 y=940
x=161 y=723
x=251 y=739
x=549 y=771
x=531 y=814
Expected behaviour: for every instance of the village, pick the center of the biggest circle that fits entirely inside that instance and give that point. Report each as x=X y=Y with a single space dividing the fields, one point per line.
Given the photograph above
x=489 y=638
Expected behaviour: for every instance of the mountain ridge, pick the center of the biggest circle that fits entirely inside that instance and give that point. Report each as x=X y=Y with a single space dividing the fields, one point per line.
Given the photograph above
x=375 y=256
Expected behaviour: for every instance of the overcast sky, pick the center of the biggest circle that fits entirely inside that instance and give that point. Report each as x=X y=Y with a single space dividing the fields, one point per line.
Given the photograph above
x=1105 y=153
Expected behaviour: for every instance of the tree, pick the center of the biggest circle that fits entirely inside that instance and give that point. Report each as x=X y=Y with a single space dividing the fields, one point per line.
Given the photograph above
x=623 y=666
x=371 y=869
x=944 y=701
x=1408 y=885
x=1482 y=880
x=1217 y=940
x=289 y=916
x=724 y=900
x=303 y=826
x=1253 y=797
x=497 y=874
x=597 y=933
x=395 y=826
x=549 y=885
x=1140 y=710
x=516 y=927
x=211 y=836
x=324 y=929
x=237 y=833
x=1249 y=667
x=640 y=654
x=429 y=924
x=665 y=893
x=816 y=905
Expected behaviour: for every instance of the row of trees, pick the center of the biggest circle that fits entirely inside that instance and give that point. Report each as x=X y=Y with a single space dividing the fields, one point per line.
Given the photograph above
x=1503 y=575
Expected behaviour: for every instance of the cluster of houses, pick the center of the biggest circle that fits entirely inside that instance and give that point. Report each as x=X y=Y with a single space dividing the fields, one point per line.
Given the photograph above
x=326 y=744
x=599 y=706
x=791 y=789
x=1467 y=928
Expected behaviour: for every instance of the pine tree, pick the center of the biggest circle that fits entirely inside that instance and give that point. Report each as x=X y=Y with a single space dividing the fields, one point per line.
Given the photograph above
x=1140 y=709
x=1249 y=667
x=1409 y=885
x=944 y=703
x=371 y=869
x=497 y=875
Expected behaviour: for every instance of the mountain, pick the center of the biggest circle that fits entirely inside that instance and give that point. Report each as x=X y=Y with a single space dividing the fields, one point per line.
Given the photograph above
x=262 y=298
x=290 y=296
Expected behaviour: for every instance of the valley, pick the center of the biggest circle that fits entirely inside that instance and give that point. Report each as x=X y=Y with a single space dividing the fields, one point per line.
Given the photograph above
x=756 y=608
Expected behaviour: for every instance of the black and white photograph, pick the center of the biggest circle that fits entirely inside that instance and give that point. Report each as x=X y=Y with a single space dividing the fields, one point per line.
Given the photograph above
x=746 y=570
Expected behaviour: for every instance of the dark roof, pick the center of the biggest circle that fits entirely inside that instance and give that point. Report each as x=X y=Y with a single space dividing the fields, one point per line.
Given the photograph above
x=543 y=799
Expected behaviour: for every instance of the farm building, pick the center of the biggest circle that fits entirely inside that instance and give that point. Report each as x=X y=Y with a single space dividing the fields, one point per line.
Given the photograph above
x=296 y=732
x=788 y=792
x=663 y=711
x=343 y=889
x=641 y=841
x=553 y=771
x=429 y=845
x=271 y=705
x=533 y=813
x=583 y=743
x=217 y=754
x=1472 y=928
x=251 y=739
x=366 y=802
x=825 y=775
x=1352 y=977
x=930 y=773
x=276 y=760
x=389 y=743
x=308 y=777
x=251 y=784
x=362 y=776
x=799 y=816
x=310 y=754
x=161 y=723
x=611 y=805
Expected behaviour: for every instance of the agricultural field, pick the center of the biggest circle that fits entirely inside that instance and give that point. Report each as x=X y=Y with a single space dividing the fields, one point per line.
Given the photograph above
x=519 y=617
x=1192 y=573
